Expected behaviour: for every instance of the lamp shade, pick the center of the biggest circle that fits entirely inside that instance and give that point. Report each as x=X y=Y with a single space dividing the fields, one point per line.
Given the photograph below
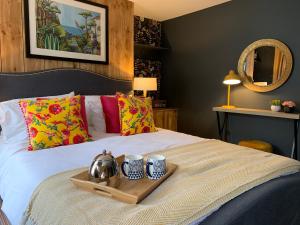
x=145 y=84
x=232 y=78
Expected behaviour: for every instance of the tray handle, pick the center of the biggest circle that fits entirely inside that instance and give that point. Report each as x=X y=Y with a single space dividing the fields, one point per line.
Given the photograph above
x=102 y=192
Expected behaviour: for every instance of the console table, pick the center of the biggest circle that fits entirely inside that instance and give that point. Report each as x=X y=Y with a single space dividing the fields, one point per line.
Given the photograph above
x=222 y=128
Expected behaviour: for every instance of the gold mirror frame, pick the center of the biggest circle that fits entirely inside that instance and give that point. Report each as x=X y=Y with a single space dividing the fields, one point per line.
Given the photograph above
x=260 y=43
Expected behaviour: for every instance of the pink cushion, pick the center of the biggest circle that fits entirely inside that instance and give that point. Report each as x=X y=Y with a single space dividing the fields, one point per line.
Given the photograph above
x=83 y=114
x=111 y=113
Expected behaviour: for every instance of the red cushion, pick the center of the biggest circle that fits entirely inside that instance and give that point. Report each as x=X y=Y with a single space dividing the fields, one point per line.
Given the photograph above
x=83 y=112
x=111 y=113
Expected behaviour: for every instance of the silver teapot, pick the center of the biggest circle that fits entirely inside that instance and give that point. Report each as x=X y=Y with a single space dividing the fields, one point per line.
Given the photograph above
x=103 y=168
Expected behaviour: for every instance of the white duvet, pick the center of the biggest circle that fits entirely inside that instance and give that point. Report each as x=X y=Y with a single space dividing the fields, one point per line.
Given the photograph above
x=22 y=171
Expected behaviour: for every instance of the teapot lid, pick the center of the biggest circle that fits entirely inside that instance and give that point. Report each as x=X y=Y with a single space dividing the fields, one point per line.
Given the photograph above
x=104 y=156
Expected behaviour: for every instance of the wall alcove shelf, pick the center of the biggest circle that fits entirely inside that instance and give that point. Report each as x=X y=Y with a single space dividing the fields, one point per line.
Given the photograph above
x=143 y=46
x=149 y=52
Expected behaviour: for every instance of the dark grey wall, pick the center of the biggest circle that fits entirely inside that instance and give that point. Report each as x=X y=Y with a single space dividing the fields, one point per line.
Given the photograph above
x=207 y=44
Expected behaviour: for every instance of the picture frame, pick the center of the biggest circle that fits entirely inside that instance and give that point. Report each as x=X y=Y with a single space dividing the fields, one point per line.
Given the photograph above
x=68 y=30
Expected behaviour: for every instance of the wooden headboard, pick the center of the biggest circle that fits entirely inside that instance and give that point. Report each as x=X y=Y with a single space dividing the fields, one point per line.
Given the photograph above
x=59 y=81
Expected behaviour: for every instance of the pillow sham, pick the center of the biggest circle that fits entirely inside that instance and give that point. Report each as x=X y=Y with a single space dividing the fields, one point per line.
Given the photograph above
x=14 y=129
x=94 y=113
x=54 y=122
x=82 y=111
x=111 y=113
x=136 y=115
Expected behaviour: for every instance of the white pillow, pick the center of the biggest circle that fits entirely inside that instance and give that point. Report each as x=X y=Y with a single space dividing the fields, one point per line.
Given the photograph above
x=12 y=122
x=94 y=113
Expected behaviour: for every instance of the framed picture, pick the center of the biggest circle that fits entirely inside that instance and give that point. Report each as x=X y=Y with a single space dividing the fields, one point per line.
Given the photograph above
x=67 y=30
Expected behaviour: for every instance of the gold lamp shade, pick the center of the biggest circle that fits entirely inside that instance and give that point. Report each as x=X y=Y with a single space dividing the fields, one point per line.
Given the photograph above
x=230 y=79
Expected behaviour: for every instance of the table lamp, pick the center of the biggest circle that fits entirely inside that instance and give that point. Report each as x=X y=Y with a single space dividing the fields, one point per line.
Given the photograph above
x=145 y=84
x=230 y=79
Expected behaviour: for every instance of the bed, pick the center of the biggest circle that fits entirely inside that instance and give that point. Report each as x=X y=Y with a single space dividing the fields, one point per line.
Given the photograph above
x=259 y=205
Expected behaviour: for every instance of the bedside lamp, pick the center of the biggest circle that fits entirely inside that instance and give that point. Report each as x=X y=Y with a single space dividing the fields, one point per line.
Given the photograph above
x=231 y=79
x=145 y=84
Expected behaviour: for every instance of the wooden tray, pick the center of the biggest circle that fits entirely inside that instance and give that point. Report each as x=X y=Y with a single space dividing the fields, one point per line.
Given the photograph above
x=129 y=191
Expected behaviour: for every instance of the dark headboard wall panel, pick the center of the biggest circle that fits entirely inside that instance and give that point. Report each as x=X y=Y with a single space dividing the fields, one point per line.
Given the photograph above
x=58 y=81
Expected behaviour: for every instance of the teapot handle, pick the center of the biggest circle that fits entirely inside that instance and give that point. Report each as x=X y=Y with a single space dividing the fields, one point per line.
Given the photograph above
x=123 y=168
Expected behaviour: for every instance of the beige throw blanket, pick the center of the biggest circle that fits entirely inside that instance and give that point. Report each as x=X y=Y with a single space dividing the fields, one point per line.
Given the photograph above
x=210 y=173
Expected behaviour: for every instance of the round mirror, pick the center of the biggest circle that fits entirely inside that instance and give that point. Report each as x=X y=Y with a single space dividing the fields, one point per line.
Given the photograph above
x=265 y=65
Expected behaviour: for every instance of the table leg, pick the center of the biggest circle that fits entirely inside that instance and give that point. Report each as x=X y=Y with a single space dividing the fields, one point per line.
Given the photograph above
x=225 y=127
x=295 y=149
x=219 y=126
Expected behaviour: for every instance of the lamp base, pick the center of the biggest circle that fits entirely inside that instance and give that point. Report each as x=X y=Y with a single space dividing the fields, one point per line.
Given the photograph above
x=228 y=106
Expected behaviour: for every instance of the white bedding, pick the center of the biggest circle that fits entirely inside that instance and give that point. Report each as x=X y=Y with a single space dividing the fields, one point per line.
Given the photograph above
x=22 y=171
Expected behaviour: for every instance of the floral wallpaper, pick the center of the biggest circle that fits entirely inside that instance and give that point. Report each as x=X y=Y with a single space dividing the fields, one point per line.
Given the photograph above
x=147 y=31
x=149 y=68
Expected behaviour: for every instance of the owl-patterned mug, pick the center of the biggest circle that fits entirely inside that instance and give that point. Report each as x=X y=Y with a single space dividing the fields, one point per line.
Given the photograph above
x=133 y=167
x=156 y=167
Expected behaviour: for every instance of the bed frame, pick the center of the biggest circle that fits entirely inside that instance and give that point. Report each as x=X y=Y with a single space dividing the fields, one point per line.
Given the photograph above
x=276 y=202
x=57 y=82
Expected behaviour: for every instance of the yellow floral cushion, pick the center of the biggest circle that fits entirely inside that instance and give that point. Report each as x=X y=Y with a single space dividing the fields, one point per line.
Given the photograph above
x=136 y=115
x=54 y=122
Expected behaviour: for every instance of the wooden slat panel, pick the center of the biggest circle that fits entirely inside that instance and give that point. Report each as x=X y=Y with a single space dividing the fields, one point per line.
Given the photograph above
x=85 y=66
x=121 y=38
x=93 y=67
x=33 y=64
x=171 y=120
x=51 y=64
x=12 y=43
x=165 y=118
x=127 y=58
x=76 y=65
x=66 y=64
x=158 y=118
x=59 y=64
x=30 y=64
x=103 y=69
